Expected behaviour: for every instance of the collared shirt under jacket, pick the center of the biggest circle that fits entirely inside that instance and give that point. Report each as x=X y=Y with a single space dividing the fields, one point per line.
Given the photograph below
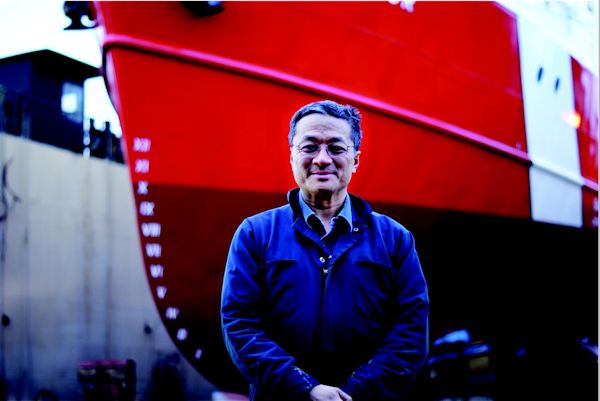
x=295 y=316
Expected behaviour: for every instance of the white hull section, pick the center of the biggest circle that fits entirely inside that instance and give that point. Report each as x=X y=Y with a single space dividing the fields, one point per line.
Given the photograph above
x=549 y=107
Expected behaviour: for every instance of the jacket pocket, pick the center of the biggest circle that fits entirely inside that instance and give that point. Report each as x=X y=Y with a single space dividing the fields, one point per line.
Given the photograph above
x=372 y=287
x=376 y=273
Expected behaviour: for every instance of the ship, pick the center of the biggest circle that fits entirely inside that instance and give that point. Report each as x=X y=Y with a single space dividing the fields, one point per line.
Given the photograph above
x=480 y=136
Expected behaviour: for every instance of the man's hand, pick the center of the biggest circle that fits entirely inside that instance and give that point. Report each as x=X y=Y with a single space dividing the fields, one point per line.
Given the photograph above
x=322 y=392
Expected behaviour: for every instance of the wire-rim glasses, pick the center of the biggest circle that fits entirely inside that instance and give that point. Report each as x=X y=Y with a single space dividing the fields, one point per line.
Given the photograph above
x=332 y=149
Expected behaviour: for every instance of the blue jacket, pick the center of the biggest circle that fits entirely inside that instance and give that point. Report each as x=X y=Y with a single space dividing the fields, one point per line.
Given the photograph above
x=288 y=326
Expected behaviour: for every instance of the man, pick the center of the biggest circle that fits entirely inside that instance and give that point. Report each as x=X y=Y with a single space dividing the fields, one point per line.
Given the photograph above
x=323 y=298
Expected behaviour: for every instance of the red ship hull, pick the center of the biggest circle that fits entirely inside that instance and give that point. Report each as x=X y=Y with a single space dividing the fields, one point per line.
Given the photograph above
x=204 y=104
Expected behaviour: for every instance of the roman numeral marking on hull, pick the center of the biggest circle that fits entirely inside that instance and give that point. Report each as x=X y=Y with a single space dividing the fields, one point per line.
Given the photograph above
x=142 y=166
x=141 y=145
x=153 y=250
x=157 y=271
x=198 y=354
x=142 y=188
x=147 y=208
x=182 y=334
x=151 y=229
x=171 y=313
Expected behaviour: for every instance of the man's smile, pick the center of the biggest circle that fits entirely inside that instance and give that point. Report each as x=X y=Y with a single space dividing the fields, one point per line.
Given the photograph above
x=321 y=173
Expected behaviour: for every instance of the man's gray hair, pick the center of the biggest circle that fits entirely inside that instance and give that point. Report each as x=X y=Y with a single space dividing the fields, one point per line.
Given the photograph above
x=333 y=109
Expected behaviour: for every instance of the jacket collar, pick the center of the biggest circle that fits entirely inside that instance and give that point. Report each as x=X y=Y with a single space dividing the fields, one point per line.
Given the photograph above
x=361 y=210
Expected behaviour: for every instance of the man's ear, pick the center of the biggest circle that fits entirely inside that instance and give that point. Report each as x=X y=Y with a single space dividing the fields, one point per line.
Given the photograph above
x=356 y=161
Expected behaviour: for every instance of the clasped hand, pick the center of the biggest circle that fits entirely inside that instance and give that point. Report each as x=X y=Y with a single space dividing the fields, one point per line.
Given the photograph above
x=322 y=392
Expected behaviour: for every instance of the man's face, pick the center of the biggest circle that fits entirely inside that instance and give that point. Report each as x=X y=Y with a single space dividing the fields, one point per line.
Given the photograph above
x=325 y=172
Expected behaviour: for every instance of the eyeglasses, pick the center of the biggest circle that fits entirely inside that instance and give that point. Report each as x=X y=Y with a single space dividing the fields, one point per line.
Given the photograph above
x=333 y=149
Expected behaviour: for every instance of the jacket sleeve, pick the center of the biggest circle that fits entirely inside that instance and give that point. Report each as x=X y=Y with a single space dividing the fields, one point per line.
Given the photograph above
x=264 y=363
x=403 y=351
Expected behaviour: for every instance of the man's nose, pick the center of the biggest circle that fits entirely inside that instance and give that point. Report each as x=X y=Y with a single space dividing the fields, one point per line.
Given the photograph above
x=322 y=156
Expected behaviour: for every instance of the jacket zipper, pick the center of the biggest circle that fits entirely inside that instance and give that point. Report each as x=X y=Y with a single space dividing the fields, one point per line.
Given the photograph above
x=324 y=271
